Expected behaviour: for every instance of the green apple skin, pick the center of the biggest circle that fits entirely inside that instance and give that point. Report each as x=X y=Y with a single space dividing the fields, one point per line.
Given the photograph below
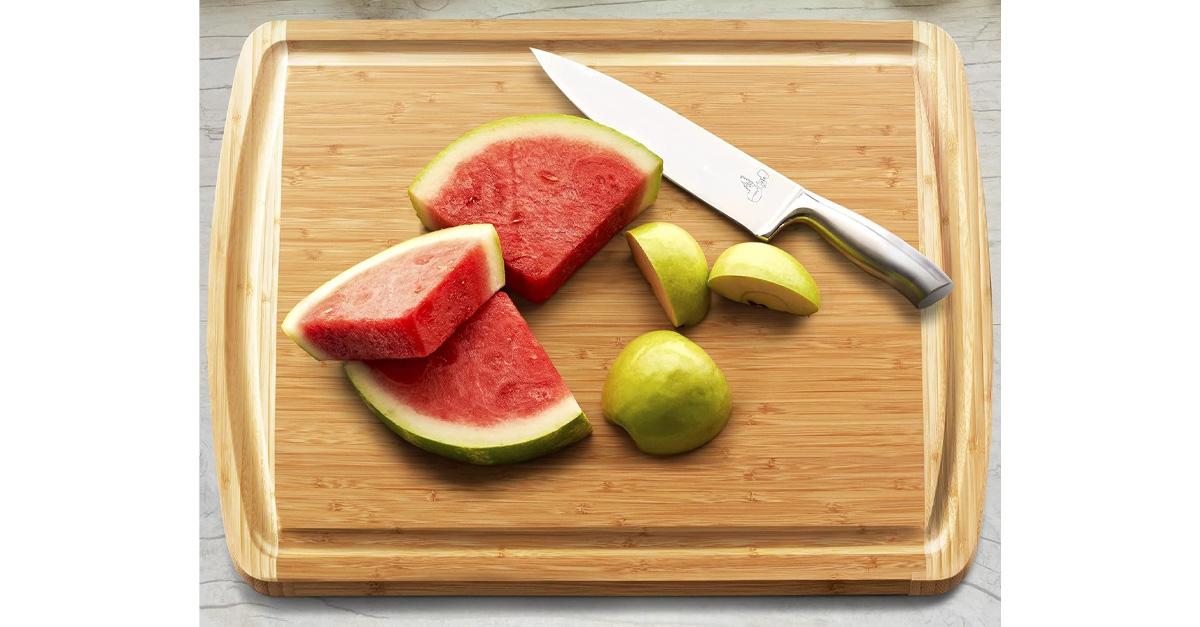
x=674 y=265
x=761 y=274
x=667 y=393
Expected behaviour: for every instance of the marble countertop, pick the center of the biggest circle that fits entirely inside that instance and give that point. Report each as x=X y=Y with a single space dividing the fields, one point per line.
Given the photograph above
x=226 y=600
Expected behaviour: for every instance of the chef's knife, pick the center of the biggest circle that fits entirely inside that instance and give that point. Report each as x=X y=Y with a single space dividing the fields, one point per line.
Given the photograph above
x=741 y=187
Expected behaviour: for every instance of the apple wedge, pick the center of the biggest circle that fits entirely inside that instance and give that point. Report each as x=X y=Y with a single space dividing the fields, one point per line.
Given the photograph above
x=766 y=276
x=674 y=265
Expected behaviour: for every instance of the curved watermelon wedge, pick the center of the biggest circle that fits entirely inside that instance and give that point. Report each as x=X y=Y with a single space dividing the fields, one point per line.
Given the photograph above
x=403 y=302
x=556 y=187
x=488 y=395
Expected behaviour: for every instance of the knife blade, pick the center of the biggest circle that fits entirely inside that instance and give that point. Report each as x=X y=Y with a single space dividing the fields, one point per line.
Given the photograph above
x=741 y=187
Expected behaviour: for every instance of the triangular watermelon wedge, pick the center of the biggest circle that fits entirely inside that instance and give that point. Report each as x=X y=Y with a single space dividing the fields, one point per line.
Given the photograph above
x=403 y=302
x=556 y=187
x=488 y=395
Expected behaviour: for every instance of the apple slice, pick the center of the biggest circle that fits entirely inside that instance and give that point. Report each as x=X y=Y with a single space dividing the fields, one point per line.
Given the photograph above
x=674 y=265
x=767 y=276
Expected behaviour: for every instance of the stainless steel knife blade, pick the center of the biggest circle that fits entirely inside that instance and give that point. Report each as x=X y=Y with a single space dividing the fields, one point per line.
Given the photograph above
x=731 y=181
x=740 y=186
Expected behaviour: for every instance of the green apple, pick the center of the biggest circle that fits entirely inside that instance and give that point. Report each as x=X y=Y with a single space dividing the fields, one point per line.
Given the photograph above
x=667 y=393
x=761 y=274
x=674 y=265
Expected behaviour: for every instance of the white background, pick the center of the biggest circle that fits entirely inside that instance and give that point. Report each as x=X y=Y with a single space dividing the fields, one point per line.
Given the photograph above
x=98 y=249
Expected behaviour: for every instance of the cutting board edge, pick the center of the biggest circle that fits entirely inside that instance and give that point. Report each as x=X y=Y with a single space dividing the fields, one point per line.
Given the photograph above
x=958 y=334
x=244 y=449
x=241 y=306
x=847 y=587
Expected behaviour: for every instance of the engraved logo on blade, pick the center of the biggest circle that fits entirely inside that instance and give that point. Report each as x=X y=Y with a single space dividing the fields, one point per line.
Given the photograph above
x=754 y=188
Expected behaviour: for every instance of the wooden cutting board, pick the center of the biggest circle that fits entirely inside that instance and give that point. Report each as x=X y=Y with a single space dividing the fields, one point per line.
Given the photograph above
x=855 y=459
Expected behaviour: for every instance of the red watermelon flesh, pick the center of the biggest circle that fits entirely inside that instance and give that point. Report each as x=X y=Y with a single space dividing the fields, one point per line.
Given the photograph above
x=556 y=190
x=489 y=394
x=403 y=302
x=491 y=371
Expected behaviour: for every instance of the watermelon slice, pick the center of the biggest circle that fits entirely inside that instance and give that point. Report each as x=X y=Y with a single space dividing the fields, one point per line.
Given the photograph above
x=403 y=302
x=556 y=187
x=489 y=395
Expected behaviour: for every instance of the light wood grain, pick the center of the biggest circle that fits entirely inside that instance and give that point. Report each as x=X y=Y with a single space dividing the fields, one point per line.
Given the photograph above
x=857 y=448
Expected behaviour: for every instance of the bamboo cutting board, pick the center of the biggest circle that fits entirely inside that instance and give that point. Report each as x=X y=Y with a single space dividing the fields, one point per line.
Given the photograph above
x=855 y=459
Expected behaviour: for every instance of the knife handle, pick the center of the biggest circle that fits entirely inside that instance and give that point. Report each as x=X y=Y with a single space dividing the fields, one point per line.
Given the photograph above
x=873 y=248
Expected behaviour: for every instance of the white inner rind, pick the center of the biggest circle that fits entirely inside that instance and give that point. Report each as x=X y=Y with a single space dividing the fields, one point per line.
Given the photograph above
x=484 y=234
x=515 y=431
x=430 y=181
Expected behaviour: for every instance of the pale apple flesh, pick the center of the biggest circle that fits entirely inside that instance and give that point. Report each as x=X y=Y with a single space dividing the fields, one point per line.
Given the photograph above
x=761 y=292
x=760 y=274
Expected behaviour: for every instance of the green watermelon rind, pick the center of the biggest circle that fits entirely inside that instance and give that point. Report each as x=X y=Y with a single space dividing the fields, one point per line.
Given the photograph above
x=485 y=233
x=425 y=187
x=566 y=424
